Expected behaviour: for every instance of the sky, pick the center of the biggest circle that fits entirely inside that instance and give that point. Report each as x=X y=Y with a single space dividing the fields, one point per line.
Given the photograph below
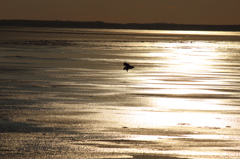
x=217 y=12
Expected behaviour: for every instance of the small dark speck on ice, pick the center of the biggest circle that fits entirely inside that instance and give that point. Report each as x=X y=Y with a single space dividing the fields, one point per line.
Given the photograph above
x=127 y=66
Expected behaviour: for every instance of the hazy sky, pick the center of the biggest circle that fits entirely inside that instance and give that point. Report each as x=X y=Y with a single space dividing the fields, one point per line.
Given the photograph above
x=125 y=11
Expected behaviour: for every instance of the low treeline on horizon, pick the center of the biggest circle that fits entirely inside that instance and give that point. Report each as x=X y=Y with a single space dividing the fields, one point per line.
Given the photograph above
x=103 y=25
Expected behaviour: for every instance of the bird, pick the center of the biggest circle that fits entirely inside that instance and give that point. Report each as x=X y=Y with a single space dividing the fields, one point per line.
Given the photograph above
x=127 y=66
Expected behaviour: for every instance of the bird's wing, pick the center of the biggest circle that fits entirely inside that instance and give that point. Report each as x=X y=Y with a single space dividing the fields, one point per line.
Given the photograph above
x=126 y=64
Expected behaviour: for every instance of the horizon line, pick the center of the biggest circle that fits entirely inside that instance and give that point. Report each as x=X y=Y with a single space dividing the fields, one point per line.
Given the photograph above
x=116 y=22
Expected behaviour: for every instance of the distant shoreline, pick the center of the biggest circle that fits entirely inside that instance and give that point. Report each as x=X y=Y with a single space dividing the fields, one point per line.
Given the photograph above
x=103 y=25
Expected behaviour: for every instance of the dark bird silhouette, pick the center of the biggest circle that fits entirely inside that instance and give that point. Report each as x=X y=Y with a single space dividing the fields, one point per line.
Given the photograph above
x=127 y=66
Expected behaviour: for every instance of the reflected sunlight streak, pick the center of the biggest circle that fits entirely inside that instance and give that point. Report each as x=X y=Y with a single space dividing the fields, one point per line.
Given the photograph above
x=187 y=70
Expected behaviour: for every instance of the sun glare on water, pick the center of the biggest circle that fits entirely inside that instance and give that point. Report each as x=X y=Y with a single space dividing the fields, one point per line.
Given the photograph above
x=182 y=89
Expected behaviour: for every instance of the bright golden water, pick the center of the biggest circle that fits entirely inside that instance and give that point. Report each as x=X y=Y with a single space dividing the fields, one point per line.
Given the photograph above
x=64 y=93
